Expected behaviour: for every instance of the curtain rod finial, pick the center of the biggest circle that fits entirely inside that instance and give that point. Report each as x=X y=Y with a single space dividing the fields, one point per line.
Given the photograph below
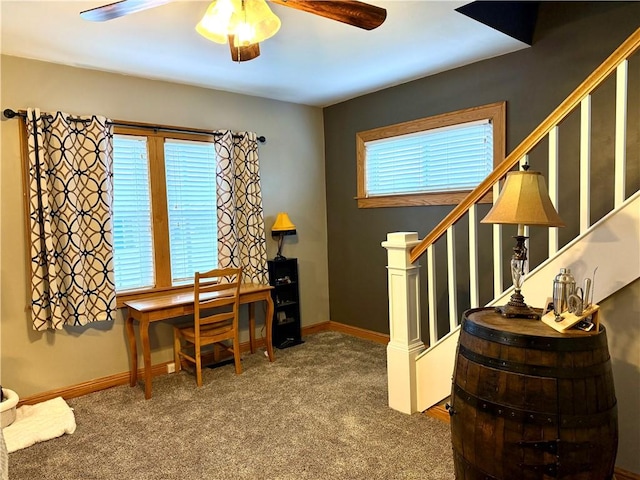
x=8 y=113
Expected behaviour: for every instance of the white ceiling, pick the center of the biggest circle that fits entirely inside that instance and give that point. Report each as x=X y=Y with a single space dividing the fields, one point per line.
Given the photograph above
x=311 y=60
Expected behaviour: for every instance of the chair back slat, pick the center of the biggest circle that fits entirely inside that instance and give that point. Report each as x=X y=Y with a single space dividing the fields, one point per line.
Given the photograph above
x=217 y=289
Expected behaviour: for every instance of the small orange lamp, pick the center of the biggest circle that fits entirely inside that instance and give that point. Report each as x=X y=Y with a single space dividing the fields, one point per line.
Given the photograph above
x=283 y=226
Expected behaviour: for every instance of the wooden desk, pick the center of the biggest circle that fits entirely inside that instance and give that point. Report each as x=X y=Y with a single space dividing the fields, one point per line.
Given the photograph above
x=176 y=305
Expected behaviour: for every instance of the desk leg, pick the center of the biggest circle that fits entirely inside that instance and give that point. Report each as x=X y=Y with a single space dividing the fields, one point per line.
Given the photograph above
x=252 y=326
x=133 y=352
x=268 y=320
x=146 y=355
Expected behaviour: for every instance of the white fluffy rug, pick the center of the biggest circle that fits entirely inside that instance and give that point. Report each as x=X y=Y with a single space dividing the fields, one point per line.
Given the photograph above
x=40 y=422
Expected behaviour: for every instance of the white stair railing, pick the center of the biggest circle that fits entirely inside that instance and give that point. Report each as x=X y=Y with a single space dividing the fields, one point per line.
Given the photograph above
x=405 y=251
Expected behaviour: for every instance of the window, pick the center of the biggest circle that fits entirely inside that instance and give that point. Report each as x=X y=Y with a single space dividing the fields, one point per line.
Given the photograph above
x=164 y=210
x=432 y=161
x=191 y=204
x=132 y=231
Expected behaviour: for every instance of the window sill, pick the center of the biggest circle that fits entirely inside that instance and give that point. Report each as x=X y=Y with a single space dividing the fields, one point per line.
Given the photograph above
x=444 y=198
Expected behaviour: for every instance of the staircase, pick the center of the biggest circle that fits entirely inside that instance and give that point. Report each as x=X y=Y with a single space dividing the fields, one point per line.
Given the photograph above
x=603 y=232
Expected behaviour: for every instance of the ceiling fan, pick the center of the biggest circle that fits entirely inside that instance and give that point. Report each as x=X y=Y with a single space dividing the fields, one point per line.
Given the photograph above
x=245 y=23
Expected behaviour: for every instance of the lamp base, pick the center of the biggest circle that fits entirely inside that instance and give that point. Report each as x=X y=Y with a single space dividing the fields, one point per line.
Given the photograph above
x=516 y=308
x=279 y=255
x=508 y=311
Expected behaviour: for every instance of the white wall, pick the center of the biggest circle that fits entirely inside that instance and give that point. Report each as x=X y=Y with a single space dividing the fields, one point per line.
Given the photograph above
x=292 y=168
x=620 y=314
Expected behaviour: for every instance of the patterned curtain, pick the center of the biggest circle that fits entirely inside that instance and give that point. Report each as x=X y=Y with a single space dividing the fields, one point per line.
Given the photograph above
x=70 y=189
x=241 y=233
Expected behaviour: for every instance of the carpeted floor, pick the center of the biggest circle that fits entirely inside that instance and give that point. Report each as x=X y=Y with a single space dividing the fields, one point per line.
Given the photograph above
x=319 y=412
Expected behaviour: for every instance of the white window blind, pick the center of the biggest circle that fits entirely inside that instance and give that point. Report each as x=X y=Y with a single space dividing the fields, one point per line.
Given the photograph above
x=191 y=202
x=452 y=158
x=132 y=234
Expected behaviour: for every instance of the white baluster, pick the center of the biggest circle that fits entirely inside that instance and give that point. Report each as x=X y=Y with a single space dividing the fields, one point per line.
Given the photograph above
x=621 y=133
x=553 y=186
x=452 y=278
x=522 y=162
x=474 y=288
x=497 y=249
x=433 y=302
x=585 y=163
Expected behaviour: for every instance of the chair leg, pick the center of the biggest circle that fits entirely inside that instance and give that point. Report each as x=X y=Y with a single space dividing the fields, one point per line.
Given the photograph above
x=176 y=350
x=198 y=365
x=236 y=355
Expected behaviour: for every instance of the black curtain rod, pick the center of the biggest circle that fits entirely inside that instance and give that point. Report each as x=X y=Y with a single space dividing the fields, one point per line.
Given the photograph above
x=8 y=113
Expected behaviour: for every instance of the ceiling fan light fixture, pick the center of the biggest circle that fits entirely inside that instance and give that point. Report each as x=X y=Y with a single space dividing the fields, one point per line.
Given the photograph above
x=216 y=22
x=255 y=22
x=249 y=21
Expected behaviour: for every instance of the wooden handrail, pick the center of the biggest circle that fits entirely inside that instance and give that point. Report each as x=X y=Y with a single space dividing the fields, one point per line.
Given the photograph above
x=623 y=52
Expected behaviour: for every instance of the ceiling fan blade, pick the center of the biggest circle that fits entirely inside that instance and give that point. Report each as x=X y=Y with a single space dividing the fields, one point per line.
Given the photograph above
x=119 y=9
x=244 y=53
x=351 y=12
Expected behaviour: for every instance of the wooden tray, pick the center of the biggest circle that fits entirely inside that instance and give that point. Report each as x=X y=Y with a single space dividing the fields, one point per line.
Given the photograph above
x=569 y=319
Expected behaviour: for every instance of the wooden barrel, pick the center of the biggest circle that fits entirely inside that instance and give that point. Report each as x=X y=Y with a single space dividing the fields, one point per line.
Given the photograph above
x=531 y=403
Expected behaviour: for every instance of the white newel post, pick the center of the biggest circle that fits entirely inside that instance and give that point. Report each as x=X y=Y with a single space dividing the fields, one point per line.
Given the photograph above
x=404 y=321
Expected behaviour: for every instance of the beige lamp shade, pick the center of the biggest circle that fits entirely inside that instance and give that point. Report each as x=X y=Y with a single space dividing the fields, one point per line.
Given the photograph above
x=249 y=21
x=524 y=200
x=283 y=225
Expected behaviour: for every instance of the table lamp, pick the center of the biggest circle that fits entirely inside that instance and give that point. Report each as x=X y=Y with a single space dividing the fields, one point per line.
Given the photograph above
x=282 y=226
x=524 y=200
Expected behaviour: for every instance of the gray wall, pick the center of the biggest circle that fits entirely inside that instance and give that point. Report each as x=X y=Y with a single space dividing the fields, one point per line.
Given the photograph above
x=572 y=39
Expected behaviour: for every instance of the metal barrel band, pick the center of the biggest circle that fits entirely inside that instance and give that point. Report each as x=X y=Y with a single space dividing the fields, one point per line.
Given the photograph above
x=556 y=344
x=559 y=447
x=533 y=370
x=505 y=411
x=591 y=420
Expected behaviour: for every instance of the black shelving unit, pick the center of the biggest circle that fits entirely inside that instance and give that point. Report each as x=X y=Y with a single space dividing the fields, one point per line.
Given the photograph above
x=283 y=275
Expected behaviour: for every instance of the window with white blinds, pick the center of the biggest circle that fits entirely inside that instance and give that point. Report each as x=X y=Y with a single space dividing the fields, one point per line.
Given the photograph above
x=434 y=160
x=445 y=159
x=132 y=232
x=191 y=204
x=164 y=211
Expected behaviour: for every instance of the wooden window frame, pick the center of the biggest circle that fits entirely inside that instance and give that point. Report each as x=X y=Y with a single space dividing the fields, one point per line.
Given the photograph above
x=159 y=213
x=494 y=112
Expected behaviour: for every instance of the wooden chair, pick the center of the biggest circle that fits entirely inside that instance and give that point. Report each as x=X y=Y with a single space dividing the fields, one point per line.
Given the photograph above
x=216 y=305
